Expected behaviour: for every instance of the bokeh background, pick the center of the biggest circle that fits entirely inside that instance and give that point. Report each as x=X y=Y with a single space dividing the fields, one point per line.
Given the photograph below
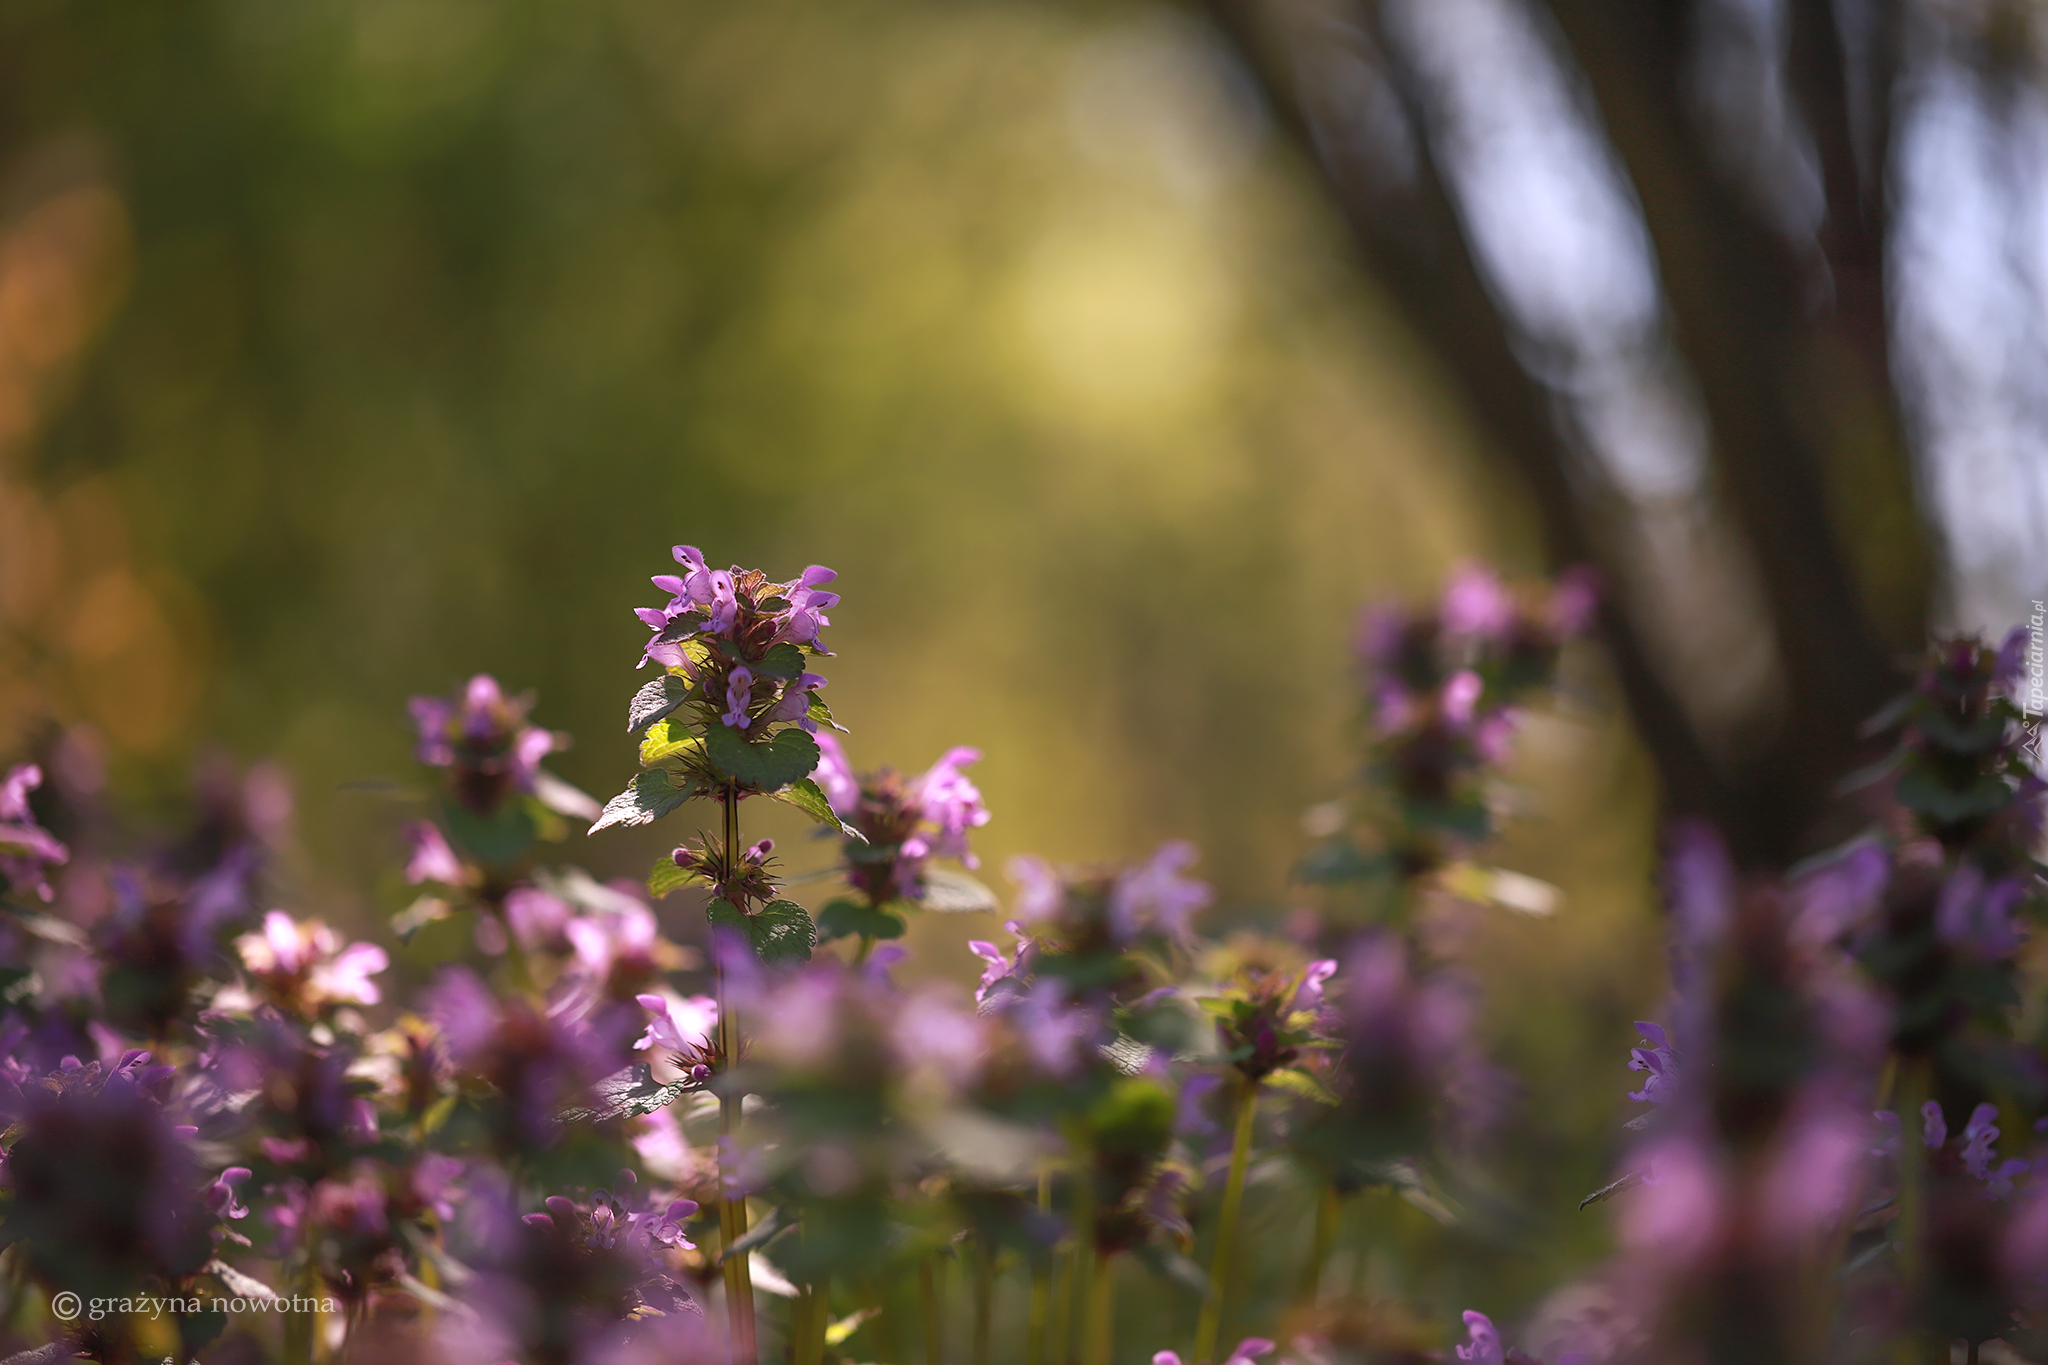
x=348 y=347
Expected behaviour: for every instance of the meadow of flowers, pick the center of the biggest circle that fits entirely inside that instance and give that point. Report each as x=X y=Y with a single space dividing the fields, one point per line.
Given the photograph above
x=227 y=1138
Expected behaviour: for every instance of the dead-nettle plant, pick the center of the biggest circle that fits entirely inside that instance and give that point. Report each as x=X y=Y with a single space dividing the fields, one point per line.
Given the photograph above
x=529 y=1125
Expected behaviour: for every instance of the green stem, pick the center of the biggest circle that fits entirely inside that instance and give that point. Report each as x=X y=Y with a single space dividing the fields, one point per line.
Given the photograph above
x=732 y=1212
x=1329 y=1215
x=1059 y=1335
x=984 y=1300
x=928 y=1303
x=1041 y=1288
x=1211 y=1320
x=867 y=945
x=1101 y=1294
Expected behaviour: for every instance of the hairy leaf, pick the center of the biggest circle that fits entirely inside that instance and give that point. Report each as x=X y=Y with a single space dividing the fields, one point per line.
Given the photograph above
x=649 y=798
x=767 y=767
x=808 y=797
x=629 y=1091
x=655 y=700
x=780 y=932
x=784 y=662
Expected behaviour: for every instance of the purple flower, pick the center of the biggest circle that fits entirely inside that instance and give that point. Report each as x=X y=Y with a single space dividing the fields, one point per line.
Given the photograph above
x=1815 y=1169
x=307 y=965
x=432 y=860
x=795 y=703
x=688 y=1026
x=1659 y=1060
x=1041 y=895
x=220 y=1195
x=1002 y=966
x=1933 y=1127
x=485 y=739
x=1476 y=606
x=1485 y=1348
x=27 y=850
x=1841 y=895
x=834 y=776
x=1244 y=1353
x=1157 y=897
x=1978 y=917
x=1461 y=698
x=934 y=1035
x=739 y=693
x=808 y=606
x=950 y=802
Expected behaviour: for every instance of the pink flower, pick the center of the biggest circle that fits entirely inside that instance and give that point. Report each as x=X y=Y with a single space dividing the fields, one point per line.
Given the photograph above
x=1476 y=606
x=432 y=860
x=1040 y=893
x=739 y=694
x=1485 y=1348
x=834 y=776
x=27 y=850
x=1158 y=898
x=307 y=965
x=951 y=803
x=686 y=1027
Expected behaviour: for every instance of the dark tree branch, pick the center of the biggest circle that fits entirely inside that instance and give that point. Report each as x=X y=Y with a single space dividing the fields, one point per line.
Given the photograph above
x=1746 y=313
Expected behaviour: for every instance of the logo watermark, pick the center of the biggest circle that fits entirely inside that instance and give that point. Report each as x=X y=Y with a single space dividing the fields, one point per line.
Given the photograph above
x=2034 y=701
x=68 y=1306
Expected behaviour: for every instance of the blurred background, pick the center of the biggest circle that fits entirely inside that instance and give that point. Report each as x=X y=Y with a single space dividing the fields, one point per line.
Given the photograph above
x=1114 y=354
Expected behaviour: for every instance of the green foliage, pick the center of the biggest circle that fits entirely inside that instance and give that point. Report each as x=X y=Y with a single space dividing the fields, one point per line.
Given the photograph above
x=655 y=701
x=625 y=1093
x=783 y=662
x=785 y=759
x=667 y=875
x=808 y=797
x=495 y=840
x=649 y=798
x=781 y=932
x=845 y=918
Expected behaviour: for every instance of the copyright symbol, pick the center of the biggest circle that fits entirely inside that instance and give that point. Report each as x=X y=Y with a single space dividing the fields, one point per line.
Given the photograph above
x=65 y=1305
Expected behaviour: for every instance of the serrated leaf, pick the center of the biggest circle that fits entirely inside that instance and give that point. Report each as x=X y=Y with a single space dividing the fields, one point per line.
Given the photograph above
x=780 y=932
x=629 y=1091
x=649 y=798
x=680 y=628
x=765 y=767
x=655 y=700
x=851 y=918
x=807 y=796
x=662 y=743
x=818 y=713
x=955 y=893
x=666 y=876
x=784 y=662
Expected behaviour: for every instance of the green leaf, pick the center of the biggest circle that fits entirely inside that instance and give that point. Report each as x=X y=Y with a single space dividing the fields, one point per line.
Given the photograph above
x=654 y=701
x=626 y=1092
x=784 y=662
x=1302 y=1084
x=818 y=713
x=495 y=839
x=660 y=745
x=851 y=918
x=787 y=758
x=1921 y=789
x=781 y=931
x=955 y=893
x=665 y=876
x=808 y=797
x=649 y=798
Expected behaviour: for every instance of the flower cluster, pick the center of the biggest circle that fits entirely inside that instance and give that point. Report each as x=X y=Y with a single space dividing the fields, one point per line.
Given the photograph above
x=898 y=825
